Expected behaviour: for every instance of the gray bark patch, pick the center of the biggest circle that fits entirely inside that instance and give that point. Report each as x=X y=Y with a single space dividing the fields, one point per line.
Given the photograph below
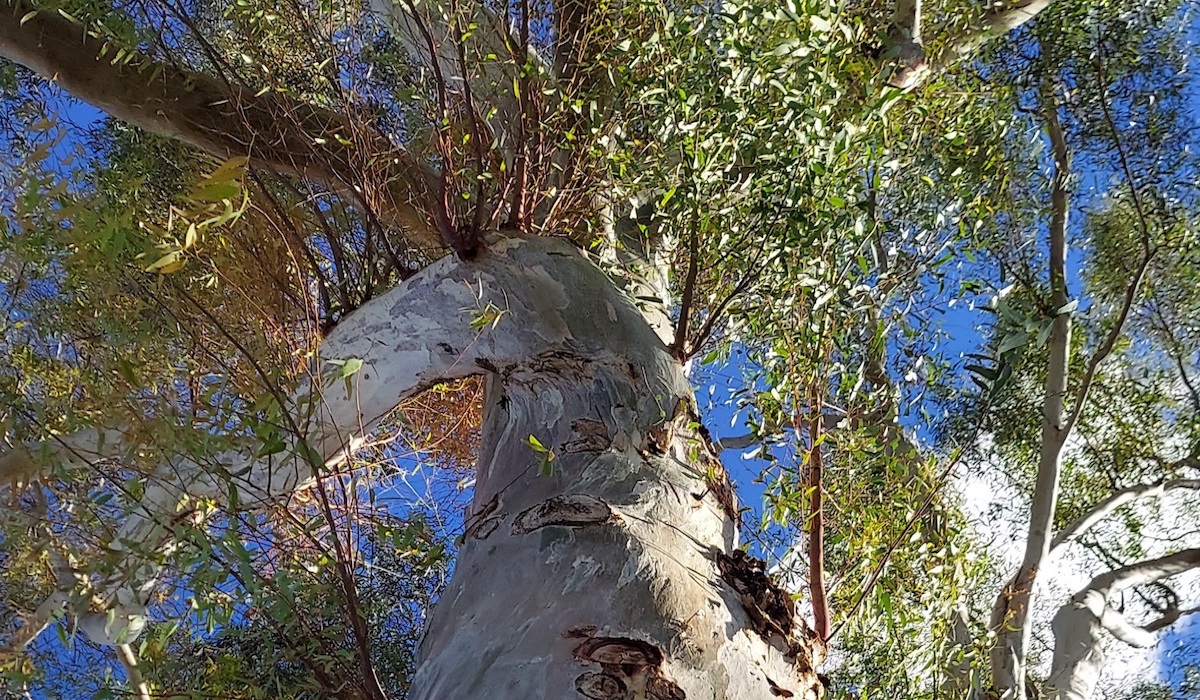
x=572 y=510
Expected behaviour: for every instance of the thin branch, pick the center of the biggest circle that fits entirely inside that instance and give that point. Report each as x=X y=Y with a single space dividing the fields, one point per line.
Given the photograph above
x=1110 y=341
x=1131 y=291
x=471 y=238
x=1106 y=507
x=358 y=624
x=133 y=674
x=942 y=479
x=1108 y=119
x=716 y=313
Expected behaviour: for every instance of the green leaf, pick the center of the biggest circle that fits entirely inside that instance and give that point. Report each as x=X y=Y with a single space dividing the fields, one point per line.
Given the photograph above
x=985 y=372
x=216 y=192
x=1012 y=341
x=537 y=445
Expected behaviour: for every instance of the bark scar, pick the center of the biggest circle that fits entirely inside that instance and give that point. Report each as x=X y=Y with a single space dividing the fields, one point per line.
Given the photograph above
x=571 y=510
x=631 y=668
x=771 y=609
x=480 y=525
x=592 y=435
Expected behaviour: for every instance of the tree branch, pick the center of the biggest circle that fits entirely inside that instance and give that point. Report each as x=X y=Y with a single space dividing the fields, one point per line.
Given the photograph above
x=452 y=320
x=427 y=29
x=816 y=525
x=1010 y=615
x=905 y=34
x=1106 y=507
x=133 y=674
x=993 y=24
x=225 y=120
x=1078 y=652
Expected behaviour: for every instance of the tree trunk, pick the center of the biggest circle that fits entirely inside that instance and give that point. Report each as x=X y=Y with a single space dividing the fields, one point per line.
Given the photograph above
x=599 y=560
x=606 y=567
x=1011 y=615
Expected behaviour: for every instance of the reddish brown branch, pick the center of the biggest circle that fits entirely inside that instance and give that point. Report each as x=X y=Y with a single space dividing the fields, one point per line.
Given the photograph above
x=816 y=519
x=516 y=217
x=679 y=347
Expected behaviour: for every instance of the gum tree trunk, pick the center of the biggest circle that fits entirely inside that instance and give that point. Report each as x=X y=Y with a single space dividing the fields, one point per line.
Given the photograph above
x=599 y=559
x=607 y=568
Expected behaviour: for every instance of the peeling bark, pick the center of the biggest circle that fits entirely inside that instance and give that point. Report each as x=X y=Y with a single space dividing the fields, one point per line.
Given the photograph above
x=604 y=577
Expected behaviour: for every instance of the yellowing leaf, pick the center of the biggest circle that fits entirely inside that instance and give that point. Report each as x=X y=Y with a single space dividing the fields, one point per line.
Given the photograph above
x=167 y=264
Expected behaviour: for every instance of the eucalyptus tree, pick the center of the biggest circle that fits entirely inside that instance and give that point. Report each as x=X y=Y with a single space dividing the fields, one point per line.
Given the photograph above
x=1107 y=418
x=570 y=201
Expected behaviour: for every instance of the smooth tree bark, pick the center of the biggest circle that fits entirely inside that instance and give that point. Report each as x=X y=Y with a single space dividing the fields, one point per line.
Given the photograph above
x=1010 y=616
x=1078 y=627
x=1078 y=661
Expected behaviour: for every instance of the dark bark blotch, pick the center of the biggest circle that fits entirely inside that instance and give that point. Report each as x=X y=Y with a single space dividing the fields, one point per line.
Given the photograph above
x=778 y=690
x=601 y=686
x=659 y=688
x=571 y=510
x=623 y=652
x=770 y=608
x=627 y=661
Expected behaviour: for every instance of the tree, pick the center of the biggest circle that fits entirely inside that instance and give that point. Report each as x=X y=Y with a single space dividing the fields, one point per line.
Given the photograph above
x=600 y=555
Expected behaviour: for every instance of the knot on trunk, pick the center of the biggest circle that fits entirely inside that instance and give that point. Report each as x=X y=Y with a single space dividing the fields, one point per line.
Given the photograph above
x=631 y=668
